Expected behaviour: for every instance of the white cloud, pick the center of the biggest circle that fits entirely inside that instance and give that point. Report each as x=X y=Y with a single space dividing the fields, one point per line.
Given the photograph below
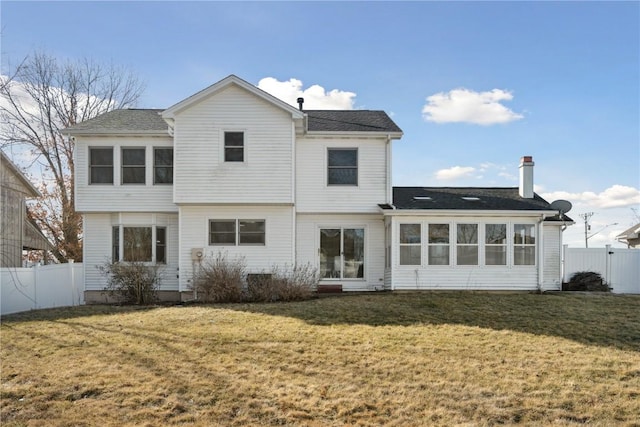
x=315 y=97
x=466 y=106
x=616 y=196
x=454 y=173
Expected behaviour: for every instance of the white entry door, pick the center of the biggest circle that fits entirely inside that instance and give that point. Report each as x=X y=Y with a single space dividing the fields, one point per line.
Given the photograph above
x=341 y=253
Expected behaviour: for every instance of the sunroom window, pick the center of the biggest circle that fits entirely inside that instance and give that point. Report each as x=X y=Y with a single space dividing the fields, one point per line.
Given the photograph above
x=410 y=244
x=495 y=249
x=524 y=244
x=467 y=244
x=438 y=244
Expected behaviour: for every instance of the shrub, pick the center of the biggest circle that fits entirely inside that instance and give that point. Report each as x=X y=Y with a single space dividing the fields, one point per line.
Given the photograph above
x=289 y=284
x=220 y=279
x=586 y=281
x=131 y=282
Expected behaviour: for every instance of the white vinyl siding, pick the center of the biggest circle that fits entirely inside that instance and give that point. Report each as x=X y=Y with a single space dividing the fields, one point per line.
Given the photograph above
x=117 y=197
x=314 y=195
x=308 y=243
x=277 y=250
x=552 y=242
x=202 y=176
x=98 y=244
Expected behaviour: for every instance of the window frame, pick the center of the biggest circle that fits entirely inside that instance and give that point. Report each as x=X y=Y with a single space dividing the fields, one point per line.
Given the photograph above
x=237 y=233
x=124 y=166
x=330 y=167
x=156 y=167
x=467 y=245
x=504 y=246
x=434 y=244
x=93 y=166
x=410 y=244
x=118 y=243
x=524 y=245
x=226 y=146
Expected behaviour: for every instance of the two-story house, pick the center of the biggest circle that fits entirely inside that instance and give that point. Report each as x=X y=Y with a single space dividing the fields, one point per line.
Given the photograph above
x=236 y=170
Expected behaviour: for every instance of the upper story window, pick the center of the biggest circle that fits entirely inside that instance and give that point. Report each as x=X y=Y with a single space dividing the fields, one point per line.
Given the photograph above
x=467 y=244
x=163 y=165
x=234 y=146
x=101 y=165
x=342 y=166
x=133 y=166
x=524 y=244
x=495 y=249
x=410 y=244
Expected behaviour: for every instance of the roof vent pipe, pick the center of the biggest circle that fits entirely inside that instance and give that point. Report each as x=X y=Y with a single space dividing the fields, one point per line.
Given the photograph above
x=526 y=177
x=300 y=102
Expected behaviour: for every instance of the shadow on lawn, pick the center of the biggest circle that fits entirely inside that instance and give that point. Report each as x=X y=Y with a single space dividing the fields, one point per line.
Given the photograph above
x=605 y=320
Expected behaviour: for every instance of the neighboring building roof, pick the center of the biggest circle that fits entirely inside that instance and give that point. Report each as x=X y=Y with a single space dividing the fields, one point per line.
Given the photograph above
x=29 y=189
x=123 y=121
x=630 y=233
x=350 y=121
x=465 y=198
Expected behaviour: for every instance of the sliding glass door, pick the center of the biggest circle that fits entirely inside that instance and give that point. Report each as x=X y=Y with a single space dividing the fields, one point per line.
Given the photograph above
x=342 y=253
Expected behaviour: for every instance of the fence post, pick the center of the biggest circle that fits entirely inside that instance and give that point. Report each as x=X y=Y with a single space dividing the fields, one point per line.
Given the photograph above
x=564 y=263
x=607 y=271
x=73 y=283
x=36 y=279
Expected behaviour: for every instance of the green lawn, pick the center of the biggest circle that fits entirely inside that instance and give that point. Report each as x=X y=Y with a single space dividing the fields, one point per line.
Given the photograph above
x=450 y=358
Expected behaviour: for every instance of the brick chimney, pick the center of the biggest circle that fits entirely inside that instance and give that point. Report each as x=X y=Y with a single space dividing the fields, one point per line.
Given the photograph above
x=526 y=177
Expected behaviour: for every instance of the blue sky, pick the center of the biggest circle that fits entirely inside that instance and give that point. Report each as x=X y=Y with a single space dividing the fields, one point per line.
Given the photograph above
x=559 y=81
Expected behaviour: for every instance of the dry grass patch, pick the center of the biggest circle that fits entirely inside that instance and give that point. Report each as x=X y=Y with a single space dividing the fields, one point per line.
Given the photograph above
x=392 y=359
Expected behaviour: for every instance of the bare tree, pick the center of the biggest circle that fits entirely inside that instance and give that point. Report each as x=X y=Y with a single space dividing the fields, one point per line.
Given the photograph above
x=42 y=97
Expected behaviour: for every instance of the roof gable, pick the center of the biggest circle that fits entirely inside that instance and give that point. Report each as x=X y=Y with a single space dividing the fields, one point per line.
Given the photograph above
x=170 y=112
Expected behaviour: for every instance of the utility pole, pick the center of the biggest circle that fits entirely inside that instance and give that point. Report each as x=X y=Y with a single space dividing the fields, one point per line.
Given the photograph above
x=586 y=217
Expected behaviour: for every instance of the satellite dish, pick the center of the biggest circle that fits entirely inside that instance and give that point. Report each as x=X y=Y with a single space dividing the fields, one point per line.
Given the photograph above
x=562 y=206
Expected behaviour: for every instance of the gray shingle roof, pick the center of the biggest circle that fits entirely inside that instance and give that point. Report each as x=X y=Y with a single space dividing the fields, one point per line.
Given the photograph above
x=149 y=120
x=350 y=121
x=447 y=198
x=123 y=121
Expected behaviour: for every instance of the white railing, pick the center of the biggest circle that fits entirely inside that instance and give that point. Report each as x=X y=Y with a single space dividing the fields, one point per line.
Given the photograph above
x=620 y=268
x=48 y=286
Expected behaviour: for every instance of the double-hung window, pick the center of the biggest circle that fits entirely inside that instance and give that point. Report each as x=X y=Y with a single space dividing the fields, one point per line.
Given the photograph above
x=524 y=244
x=234 y=146
x=410 y=244
x=232 y=232
x=133 y=166
x=438 y=244
x=101 y=165
x=467 y=244
x=342 y=166
x=163 y=165
x=495 y=244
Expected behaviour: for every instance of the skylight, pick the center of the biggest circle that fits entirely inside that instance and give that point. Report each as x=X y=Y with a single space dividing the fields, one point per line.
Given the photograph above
x=422 y=198
x=471 y=198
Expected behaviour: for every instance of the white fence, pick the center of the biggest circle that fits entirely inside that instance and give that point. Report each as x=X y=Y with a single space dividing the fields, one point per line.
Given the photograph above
x=48 y=286
x=619 y=267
